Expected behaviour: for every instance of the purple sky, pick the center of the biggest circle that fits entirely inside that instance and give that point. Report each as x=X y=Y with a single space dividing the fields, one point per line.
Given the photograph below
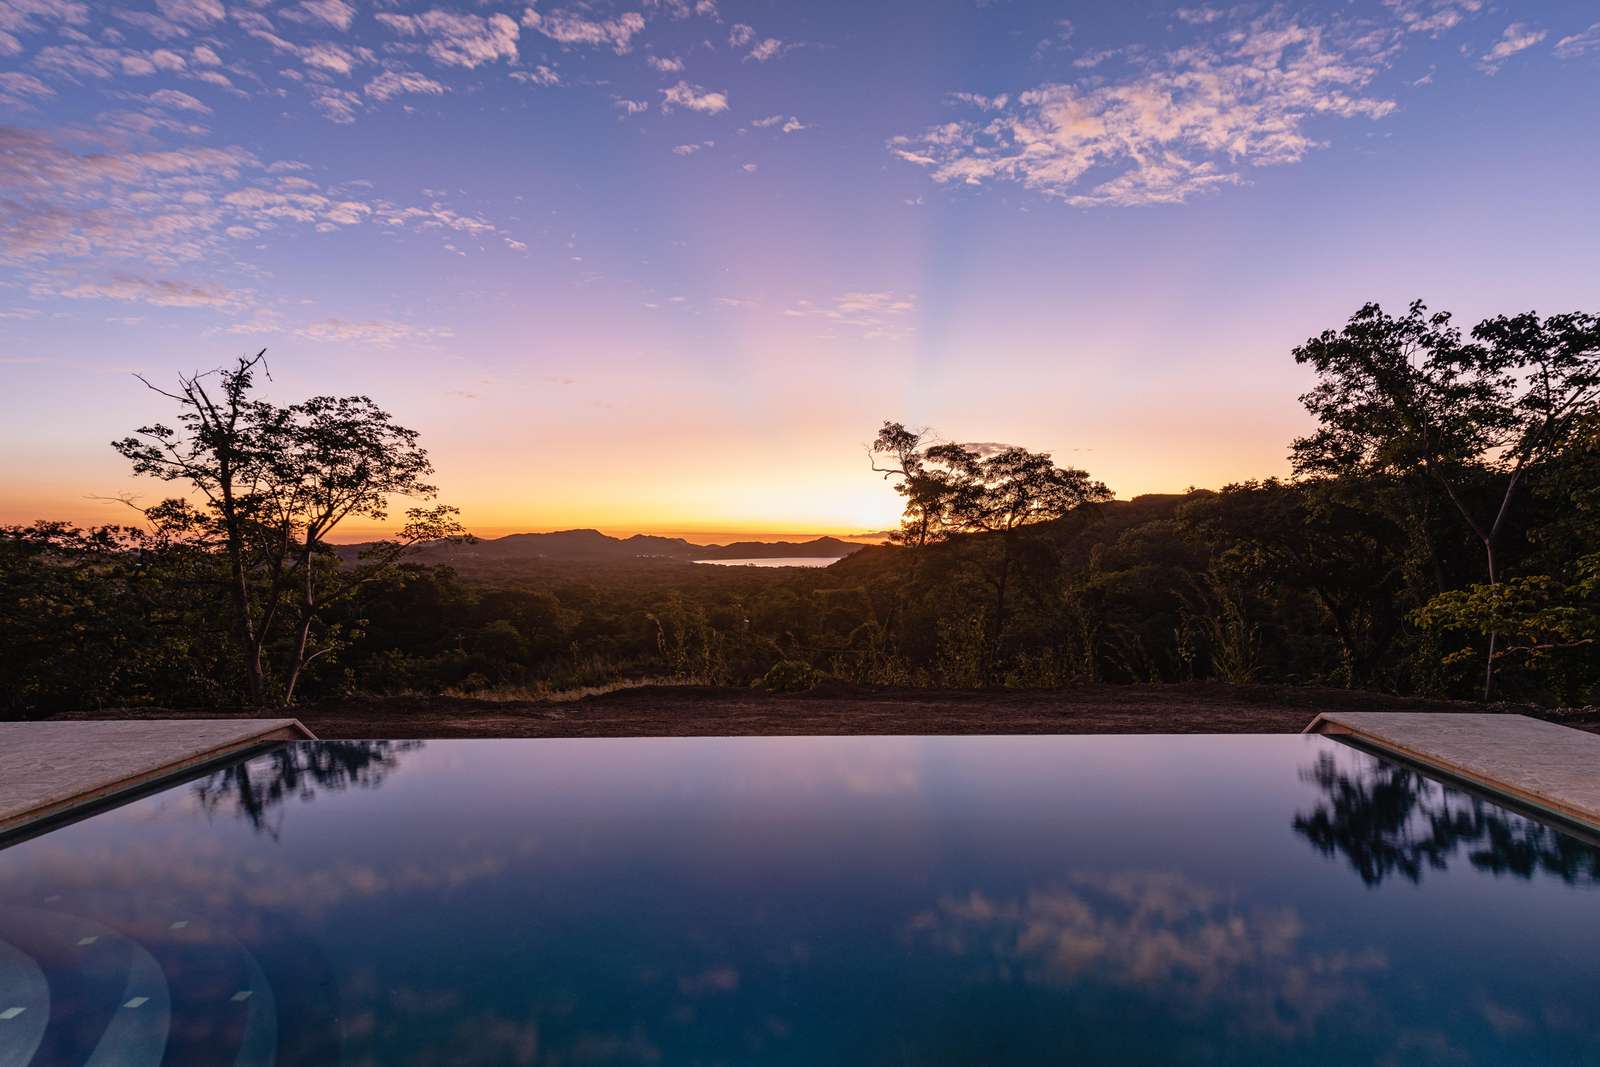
x=665 y=265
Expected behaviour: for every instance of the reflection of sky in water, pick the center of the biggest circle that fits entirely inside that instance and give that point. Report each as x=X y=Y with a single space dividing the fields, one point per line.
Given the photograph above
x=840 y=900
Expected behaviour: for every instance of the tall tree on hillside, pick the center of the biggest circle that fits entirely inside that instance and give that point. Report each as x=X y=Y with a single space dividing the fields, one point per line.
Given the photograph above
x=980 y=489
x=1410 y=395
x=271 y=485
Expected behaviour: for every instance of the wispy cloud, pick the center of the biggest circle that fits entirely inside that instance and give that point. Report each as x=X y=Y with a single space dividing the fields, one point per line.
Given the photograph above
x=1433 y=16
x=872 y=315
x=393 y=83
x=1518 y=37
x=1577 y=44
x=175 y=206
x=1178 y=126
x=383 y=333
x=569 y=28
x=159 y=292
x=456 y=39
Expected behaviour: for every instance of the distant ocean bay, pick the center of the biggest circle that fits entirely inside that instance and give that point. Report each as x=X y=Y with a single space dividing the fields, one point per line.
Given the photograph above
x=779 y=561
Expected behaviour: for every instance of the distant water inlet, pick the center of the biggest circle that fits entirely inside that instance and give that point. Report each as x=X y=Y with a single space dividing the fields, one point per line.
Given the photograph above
x=780 y=561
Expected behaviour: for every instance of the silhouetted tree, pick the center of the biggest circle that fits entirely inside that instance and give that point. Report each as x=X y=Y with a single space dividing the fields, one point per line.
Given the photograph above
x=273 y=484
x=995 y=490
x=1401 y=395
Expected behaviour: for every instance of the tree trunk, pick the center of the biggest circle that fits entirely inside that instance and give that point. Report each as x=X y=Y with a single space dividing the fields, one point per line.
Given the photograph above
x=991 y=651
x=1494 y=638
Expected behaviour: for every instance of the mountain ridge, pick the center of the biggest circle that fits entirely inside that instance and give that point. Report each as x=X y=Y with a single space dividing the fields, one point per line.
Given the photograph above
x=591 y=545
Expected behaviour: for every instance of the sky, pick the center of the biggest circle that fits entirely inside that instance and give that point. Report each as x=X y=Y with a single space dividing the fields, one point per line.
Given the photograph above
x=665 y=265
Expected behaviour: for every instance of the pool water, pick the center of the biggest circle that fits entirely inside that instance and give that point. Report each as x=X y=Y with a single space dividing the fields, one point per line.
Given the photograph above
x=1083 y=900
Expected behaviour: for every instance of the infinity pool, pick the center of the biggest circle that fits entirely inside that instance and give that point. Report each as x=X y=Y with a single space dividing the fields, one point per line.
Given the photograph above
x=1148 y=900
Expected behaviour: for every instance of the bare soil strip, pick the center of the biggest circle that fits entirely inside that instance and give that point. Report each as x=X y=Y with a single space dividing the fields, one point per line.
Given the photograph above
x=698 y=711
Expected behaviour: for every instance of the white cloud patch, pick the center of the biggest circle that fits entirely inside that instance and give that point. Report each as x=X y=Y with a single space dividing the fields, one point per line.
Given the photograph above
x=741 y=35
x=694 y=98
x=665 y=64
x=1518 y=37
x=572 y=29
x=691 y=149
x=458 y=40
x=770 y=48
x=1181 y=125
x=630 y=107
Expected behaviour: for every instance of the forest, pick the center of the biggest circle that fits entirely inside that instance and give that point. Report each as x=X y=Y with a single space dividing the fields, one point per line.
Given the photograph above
x=1440 y=535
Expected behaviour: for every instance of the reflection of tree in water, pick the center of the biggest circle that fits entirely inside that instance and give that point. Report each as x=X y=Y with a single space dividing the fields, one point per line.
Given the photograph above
x=1389 y=820
x=254 y=787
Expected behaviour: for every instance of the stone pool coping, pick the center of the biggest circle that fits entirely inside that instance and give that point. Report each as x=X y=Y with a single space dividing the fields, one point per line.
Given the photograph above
x=49 y=769
x=1542 y=765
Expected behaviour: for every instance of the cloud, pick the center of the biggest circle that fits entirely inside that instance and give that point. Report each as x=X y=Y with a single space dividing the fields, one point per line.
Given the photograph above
x=691 y=149
x=1432 y=16
x=458 y=40
x=983 y=103
x=392 y=83
x=1182 y=125
x=741 y=35
x=191 y=12
x=335 y=13
x=177 y=101
x=1577 y=44
x=160 y=292
x=765 y=50
x=1161 y=937
x=665 y=65
x=29 y=16
x=571 y=29
x=540 y=75
x=16 y=89
x=694 y=98
x=1518 y=37
x=166 y=208
x=875 y=314
x=630 y=107
x=749 y=168
x=367 y=331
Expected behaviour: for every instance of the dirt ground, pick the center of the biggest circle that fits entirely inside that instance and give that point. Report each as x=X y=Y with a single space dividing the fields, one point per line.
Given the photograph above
x=691 y=711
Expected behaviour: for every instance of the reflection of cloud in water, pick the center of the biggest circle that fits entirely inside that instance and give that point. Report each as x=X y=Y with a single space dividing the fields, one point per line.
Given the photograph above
x=1157 y=934
x=209 y=876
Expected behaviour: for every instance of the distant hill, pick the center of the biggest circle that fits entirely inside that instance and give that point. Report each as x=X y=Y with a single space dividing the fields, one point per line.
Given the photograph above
x=593 y=546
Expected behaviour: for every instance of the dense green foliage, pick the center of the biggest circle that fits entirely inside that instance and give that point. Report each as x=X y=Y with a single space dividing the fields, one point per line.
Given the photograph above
x=1443 y=532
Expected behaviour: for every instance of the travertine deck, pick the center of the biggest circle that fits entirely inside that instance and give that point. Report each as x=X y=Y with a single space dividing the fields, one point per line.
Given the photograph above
x=1541 y=764
x=48 y=768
